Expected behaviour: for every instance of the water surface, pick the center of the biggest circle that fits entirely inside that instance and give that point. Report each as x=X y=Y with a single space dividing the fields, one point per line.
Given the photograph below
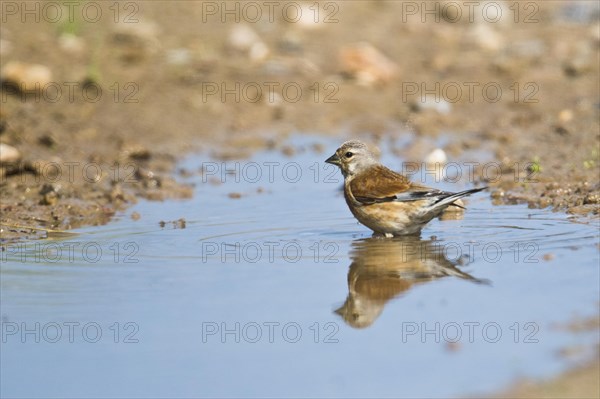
x=281 y=293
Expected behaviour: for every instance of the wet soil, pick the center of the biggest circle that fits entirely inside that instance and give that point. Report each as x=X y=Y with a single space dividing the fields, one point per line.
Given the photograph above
x=85 y=157
x=580 y=382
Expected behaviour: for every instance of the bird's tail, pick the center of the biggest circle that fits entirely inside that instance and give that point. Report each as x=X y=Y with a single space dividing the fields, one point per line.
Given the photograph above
x=442 y=202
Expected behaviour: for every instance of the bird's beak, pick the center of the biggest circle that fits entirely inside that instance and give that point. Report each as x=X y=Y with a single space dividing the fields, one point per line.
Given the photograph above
x=334 y=160
x=339 y=311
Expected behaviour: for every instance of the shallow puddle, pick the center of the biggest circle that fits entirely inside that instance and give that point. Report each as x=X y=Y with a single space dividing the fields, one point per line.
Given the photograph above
x=281 y=293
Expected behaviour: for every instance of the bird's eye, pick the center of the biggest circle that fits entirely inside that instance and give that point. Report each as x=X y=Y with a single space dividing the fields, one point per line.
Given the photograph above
x=349 y=154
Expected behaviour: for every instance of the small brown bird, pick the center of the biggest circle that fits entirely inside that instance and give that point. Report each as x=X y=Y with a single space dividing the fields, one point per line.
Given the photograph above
x=386 y=201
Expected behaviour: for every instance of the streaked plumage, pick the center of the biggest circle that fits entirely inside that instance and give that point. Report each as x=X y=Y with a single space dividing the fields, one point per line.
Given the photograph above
x=386 y=201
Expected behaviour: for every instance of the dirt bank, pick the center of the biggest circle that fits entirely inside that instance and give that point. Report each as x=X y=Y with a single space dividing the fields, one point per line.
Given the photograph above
x=582 y=382
x=173 y=77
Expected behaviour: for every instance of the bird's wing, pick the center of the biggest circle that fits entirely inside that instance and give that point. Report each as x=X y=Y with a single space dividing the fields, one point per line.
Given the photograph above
x=417 y=192
x=380 y=184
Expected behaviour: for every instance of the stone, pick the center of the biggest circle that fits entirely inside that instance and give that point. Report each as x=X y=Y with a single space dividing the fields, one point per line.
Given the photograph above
x=308 y=19
x=431 y=102
x=9 y=154
x=437 y=156
x=367 y=64
x=27 y=77
x=244 y=39
x=179 y=56
x=486 y=37
x=566 y=115
x=71 y=43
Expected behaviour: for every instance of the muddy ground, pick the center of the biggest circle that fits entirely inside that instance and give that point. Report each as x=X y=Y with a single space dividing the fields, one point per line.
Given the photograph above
x=131 y=98
x=520 y=91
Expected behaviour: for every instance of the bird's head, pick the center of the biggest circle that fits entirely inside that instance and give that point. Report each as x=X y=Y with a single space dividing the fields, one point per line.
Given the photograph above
x=352 y=157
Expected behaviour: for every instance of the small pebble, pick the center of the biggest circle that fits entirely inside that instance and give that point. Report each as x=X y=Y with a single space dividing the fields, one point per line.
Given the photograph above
x=71 y=43
x=453 y=346
x=135 y=151
x=288 y=150
x=27 y=77
x=437 y=156
x=49 y=193
x=487 y=38
x=179 y=56
x=9 y=154
x=47 y=140
x=566 y=115
x=441 y=106
x=307 y=18
x=367 y=64
x=244 y=38
x=319 y=148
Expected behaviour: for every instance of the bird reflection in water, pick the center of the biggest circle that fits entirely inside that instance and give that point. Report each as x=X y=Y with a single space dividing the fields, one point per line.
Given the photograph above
x=383 y=269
